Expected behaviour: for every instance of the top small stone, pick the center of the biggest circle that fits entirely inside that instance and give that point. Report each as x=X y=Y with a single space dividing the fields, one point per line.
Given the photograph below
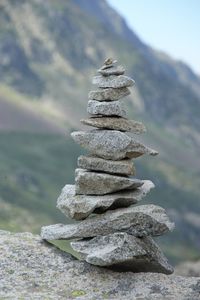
x=109 y=62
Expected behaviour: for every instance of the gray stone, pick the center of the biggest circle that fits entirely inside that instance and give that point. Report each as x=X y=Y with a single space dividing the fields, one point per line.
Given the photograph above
x=122 y=167
x=109 y=62
x=81 y=206
x=33 y=269
x=111 y=144
x=94 y=183
x=109 y=94
x=114 y=123
x=104 y=67
x=119 y=70
x=115 y=108
x=123 y=252
x=138 y=221
x=113 y=81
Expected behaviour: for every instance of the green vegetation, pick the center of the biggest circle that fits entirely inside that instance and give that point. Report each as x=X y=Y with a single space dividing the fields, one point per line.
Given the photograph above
x=34 y=168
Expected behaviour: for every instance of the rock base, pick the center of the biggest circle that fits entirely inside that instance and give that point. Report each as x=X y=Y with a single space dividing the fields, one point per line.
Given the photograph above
x=34 y=269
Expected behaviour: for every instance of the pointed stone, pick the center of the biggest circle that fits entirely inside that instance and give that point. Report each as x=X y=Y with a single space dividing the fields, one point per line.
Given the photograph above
x=119 y=70
x=114 y=108
x=121 y=167
x=113 y=81
x=138 y=221
x=109 y=94
x=123 y=252
x=81 y=206
x=115 y=123
x=93 y=183
x=111 y=144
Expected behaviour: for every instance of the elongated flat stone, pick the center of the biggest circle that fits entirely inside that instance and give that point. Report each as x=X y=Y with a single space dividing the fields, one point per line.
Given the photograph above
x=121 y=167
x=123 y=252
x=81 y=206
x=113 y=81
x=111 y=144
x=114 y=123
x=109 y=94
x=138 y=221
x=94 y=183
x=114 y=108
x=104 y=67
x=118 y=70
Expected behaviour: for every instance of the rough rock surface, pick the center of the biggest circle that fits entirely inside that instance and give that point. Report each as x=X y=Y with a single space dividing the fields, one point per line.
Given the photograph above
x=113 y=108
x=32 y=269
x=114 y=123
x=139 y=221
x=118 y=70
x=123 y=167
x=81 y=206
x=111 y=144
x=124 y=252
x=94 y=183
x=109 y=94
x=113 y=81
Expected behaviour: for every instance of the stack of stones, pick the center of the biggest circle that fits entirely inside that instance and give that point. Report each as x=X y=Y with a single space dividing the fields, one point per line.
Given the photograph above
x=111 y=231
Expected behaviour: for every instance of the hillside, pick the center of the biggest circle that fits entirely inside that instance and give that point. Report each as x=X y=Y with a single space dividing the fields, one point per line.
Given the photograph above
x=45 y=73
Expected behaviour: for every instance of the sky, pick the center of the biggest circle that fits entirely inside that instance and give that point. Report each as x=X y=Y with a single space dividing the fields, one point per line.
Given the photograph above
x=172 y=26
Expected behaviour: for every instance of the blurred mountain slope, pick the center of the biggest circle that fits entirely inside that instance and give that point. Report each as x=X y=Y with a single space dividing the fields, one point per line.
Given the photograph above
x=49 y=51
x=64 y=42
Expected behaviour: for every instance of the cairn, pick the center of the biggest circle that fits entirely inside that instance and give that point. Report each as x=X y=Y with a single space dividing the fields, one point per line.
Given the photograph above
x=118 y=234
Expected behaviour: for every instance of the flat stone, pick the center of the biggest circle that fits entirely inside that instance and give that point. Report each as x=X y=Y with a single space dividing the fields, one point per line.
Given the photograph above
x=94 y=183
x=114 y=123
x=113 y=81
x=33 y=269
x=115 y=108
x=109 y=94
x=118 y=70
x=111 y=144
x=123 y=252
x=104 y=67
x=138 y=221
x=81 y=206
x=122 y=167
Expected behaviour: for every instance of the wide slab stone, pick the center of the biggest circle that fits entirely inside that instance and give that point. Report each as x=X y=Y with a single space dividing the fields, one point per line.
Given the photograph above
x=138 y=221
x=113 y=81
x=121 y=167
x=114 y=108
x=114 y=123
x=111 y=144
x=94 y=183
x=123 y=252
x=81 y=206
x=118 y=70
x=109 y=94
x=34 y=269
